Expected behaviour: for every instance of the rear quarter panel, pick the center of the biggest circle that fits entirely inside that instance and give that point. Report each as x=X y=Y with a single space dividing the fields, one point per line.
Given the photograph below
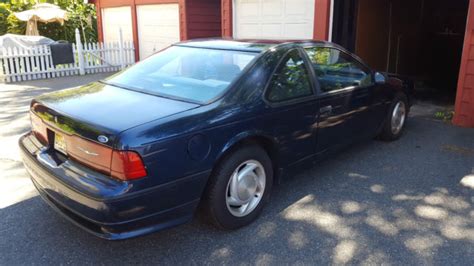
x=191 y=142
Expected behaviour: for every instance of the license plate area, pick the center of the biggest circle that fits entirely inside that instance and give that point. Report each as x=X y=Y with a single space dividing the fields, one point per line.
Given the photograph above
x=60 y=143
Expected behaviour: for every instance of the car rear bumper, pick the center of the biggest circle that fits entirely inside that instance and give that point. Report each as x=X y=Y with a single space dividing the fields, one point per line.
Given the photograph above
x=113 y=213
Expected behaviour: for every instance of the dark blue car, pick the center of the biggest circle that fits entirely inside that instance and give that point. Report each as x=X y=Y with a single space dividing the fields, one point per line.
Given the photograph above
x=210 y=123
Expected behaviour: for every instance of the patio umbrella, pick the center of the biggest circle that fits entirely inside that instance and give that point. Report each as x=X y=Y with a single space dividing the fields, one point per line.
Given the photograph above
x=43 y=13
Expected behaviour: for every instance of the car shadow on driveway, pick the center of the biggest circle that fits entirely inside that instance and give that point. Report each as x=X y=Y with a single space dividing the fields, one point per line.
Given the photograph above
x=377 y=202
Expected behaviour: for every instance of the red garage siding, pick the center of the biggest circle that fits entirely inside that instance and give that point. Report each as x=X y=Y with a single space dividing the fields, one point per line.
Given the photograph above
x=321 y=19
x=203 y=18
x=183 y=23
x=198 y=18
x=227 y=18
x=464 y=112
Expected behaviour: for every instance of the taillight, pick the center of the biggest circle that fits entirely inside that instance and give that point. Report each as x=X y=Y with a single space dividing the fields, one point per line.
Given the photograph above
x=127 y=165
x=38 y=128
x=123 y=165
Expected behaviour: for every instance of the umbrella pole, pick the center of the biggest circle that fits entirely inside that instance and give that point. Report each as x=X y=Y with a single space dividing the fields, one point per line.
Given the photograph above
x=32 y=27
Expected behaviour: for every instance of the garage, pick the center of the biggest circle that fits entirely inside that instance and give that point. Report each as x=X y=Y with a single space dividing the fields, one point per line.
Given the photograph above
x=418 y=39
x=158 y=27
x=114 y=18
x=274 y=19
x=430 y=42
x=155 y=24
x=424 y=41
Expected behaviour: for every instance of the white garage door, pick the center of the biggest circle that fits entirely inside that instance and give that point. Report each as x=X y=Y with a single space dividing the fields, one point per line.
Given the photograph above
x=158 y=27
x=274 y=19
x=113 y=19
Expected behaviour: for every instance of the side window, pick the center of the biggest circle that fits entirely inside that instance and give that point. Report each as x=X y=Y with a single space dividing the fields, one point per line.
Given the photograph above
x=337 y=70
x=291 y=79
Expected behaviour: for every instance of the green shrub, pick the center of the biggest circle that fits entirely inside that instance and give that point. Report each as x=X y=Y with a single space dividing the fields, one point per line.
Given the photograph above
x=15 y=25
x=4 y=13
x=83 y=17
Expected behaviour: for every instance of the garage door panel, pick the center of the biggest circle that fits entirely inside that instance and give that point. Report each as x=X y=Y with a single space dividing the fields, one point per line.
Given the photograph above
x=166 y=12
x=274 y=19
x=158 y=27
x=249 y=30
x=299 y=7
x=297 y=31
x=164 y=34
x=114 y=19
x=248 y=8
x=272 y=31
x=272 y=8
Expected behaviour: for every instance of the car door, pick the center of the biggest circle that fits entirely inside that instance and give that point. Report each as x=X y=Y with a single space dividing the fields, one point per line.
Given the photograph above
x=291 y=98
x=345 y=98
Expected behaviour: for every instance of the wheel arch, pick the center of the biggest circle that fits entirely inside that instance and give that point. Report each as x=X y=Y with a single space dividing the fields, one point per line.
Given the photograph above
x=267 y=142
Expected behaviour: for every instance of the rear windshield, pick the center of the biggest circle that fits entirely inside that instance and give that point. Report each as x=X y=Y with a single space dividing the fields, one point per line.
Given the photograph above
x=193 y=74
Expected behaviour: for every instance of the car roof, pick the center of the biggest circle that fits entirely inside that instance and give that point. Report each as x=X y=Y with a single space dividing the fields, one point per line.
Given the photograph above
x=256 y=46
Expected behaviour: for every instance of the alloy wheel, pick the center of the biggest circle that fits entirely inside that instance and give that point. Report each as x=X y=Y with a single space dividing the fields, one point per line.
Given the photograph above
x=245 y=188
x=398 y=117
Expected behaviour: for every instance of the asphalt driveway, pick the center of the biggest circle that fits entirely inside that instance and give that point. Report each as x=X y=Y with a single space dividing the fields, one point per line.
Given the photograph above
x=407 y=202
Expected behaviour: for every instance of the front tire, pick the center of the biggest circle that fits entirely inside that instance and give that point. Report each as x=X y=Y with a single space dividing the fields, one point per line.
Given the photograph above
x=396 y=118
x=239 y=187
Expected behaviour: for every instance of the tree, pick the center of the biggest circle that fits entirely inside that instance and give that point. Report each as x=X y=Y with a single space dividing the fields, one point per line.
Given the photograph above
x=80 y=15
x=4 y=13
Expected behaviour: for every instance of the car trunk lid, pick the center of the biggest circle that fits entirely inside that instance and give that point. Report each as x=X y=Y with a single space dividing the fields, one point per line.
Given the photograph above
x=103 y=110
x=84 y=123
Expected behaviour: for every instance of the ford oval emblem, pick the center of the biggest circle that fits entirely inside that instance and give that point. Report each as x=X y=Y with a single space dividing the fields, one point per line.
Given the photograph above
x=102 y=139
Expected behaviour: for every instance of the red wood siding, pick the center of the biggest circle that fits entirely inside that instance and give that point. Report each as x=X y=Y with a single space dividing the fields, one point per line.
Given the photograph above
x=198 y=18
x=152 y=2
x=203 y=18
x=100 y=32
x=226 y=6
x=135 y=31
x=464 y=110
x=114 y=3
x=183 y=22
x=321 y=19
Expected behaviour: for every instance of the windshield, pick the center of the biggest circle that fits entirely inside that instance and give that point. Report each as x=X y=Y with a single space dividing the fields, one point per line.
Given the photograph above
x=193 y=74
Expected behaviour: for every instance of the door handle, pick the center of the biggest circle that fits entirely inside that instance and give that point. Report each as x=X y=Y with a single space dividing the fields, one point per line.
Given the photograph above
x=325 y=111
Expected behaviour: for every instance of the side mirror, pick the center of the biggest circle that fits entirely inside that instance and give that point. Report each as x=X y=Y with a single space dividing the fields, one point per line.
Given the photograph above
x=380 y=78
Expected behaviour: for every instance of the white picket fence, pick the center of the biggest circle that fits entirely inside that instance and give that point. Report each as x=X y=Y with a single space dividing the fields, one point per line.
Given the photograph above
x=21 y=64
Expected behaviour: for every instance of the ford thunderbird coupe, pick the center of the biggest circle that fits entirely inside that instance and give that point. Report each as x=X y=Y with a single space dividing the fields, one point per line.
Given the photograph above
x=208 y=125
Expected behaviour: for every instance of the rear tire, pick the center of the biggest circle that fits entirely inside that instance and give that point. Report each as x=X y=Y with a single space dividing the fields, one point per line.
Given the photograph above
x=396 y=118
x=238 y=188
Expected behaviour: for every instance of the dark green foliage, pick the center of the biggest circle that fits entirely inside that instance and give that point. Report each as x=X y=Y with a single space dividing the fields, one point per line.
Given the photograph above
x=83 y=17
x=15 y=26
x=4 y=12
